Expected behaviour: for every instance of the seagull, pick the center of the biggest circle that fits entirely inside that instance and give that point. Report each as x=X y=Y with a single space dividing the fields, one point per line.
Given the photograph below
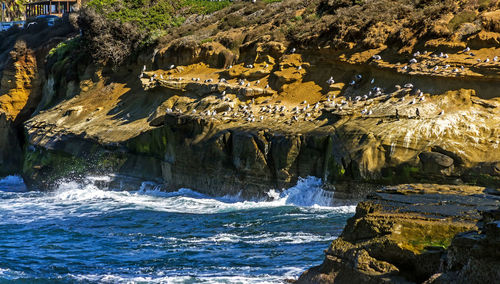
x=267 y=86
x=436 y=68
x=441 y=112
x=358 y=77
x=144 y=68
x=495 y=59
x=172 y=66
x=405 y=68
x=467 y=49
x=299 y=68
x=416 y=54
x=487 y=60
x=376 y=57
x=409 y=86
x=330 y=81
x=413 y=60
x=372 y=81
x=293 y=50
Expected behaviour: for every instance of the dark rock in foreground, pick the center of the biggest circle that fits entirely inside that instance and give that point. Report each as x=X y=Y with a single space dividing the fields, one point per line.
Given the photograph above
x=416 y=234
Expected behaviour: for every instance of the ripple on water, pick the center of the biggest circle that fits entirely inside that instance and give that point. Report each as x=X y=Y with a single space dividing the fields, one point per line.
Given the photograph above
x=84 y=234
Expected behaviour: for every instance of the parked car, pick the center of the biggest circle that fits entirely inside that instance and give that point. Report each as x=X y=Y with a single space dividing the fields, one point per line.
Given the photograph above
x=51 y=19
x=5 y=26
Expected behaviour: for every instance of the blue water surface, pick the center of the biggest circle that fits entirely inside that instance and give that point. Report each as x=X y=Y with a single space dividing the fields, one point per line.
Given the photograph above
x=79 y=233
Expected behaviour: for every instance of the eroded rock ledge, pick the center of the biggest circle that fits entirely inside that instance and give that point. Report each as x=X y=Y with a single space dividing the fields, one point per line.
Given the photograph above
x=414 y=234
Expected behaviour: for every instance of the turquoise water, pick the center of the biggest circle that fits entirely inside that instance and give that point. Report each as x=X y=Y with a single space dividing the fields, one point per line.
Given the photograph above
x=79 y=233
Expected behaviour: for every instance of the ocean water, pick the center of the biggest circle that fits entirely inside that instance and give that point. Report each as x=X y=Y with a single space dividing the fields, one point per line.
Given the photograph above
x=80 y=233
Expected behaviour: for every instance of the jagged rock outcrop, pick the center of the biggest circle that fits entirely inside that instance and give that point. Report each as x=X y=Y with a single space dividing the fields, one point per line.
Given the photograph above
x=402 y=234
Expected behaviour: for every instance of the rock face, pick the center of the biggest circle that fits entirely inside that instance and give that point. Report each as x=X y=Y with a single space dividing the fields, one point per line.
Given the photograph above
x=19 y=94
x=402 y=234
x=240 y=143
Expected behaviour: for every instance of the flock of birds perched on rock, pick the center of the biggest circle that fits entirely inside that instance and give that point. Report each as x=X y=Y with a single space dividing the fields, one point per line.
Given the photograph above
x=441 y=55
x=232 y=108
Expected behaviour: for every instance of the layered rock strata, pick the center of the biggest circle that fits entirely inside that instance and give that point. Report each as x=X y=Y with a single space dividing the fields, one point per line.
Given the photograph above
x=416 y=233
